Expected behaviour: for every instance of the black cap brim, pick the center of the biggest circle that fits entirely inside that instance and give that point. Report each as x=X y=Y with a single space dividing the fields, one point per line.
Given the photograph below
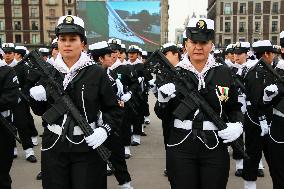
x=101 y=52
x=264 y=49
x=8 y=49
x=69 y=28
x=133 y=51
x=240 y=51
x=200 y=35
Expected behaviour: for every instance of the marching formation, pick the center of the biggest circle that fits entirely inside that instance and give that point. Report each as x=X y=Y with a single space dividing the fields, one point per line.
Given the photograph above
x=94 y=104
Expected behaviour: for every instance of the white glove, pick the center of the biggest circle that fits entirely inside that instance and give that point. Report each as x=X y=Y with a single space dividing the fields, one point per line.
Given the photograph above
x=152 y=85
x=264 y=127
x=97 y=138
x=231 y=133
x=168 y=89
x=38 y=93
x=273 y=90
x=126 y=97
x=242 y=100
x=140 y=79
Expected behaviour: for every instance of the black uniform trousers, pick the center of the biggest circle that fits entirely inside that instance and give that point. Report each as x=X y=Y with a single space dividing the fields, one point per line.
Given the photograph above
x=126 y=129
x=192 y=165
x=117 y=158
x=73 y=170
x=7 y=143
x=237 y=154
x=31 y=124
x=21 y=121
x=254 y=145
x=276 y=152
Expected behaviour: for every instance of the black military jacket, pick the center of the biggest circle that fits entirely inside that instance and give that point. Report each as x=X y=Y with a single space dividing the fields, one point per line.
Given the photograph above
x=91 y=92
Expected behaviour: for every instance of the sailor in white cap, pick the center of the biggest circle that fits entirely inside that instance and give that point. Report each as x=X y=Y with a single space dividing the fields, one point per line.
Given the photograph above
x=239 y=52
x=196 y=151
x=54 y=51
x=273 y=95
x=101 y=52
x=21 y=111
x=258 y=117
x=44 y=53
x=135 y=61
x=9 y=95
x=144 y=56
x=9 y=55
x=172 y=53
x=122 y=54
x=73 y=156
x=229 y=55
x=20 y=52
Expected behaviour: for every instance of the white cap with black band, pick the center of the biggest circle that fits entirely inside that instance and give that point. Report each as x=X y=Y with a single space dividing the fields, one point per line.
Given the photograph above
x=200 y=29
x=70 y=24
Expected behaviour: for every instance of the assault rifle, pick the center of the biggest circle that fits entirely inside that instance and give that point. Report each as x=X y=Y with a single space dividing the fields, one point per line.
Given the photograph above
x=11 y=128
x=64 y=104
x=278 y=79
x=193 y=100
x=269 y=68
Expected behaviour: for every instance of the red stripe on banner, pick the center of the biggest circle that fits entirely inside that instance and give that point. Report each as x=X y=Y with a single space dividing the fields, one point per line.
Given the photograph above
x=148 y=40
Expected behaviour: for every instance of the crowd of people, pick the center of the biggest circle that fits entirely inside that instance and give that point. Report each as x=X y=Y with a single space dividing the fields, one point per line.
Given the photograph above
x=109 y=85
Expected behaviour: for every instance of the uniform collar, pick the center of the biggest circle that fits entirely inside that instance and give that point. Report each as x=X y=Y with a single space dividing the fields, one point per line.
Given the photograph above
x=186 y=64
x=12 y=64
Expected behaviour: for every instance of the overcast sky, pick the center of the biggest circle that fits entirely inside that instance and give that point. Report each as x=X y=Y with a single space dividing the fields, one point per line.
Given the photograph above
x=179 y=11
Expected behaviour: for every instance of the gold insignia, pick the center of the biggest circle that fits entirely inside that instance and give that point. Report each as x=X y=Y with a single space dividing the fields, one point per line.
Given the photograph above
x=223 y=93
x=238 y=44
x=69 y=19
x=201 y=24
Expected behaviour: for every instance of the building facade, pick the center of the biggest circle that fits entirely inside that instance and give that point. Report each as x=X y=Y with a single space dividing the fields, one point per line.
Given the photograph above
x=246 y=20
x=164 y=21
x=31 y=22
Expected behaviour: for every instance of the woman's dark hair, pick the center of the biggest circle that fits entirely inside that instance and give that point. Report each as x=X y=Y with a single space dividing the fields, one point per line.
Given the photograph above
x=174 y=51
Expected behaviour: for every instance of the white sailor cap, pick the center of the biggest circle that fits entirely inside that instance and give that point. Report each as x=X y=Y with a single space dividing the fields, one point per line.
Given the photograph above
x=217 y=51
x=123 y=46
x=54 y=43
x=230 y=48
x=241 y=47
x=200 y=29
x=133 y=49
x=169 y=47
x=144 y=53
x=180 y=46
x=70 y=24
x=262 y=46
x=100 y=48
x=21 y=50
x=184 y=34
x=115 y=44
x=8 y=47
x=44 y=51
x=277 y=49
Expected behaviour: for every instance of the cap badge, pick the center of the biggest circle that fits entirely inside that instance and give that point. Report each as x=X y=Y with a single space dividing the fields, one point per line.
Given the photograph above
x=238 y=44
x=69 y=19
x=201 y=24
